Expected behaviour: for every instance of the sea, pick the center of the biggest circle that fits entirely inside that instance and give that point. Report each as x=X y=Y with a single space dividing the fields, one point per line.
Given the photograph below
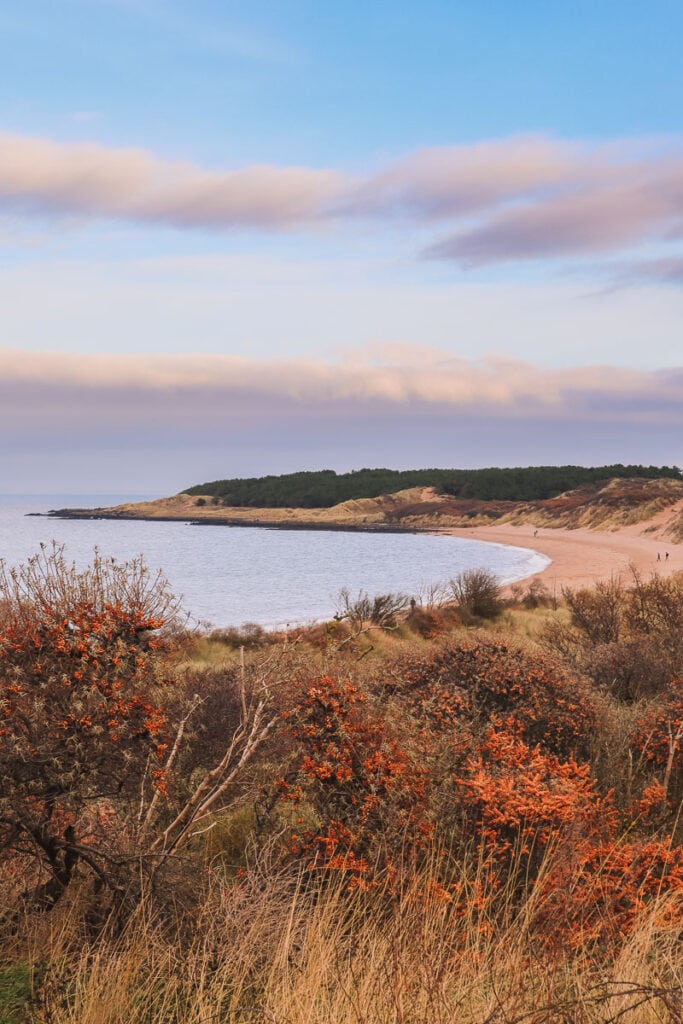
x=229 y=576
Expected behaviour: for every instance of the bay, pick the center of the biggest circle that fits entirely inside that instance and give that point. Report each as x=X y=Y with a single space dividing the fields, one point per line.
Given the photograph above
x=228 y=576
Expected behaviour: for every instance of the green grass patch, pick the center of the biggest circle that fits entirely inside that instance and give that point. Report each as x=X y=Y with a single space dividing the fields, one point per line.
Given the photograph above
x=16 y=988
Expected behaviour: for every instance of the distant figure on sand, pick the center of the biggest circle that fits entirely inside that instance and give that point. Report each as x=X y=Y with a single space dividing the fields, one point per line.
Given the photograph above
x=666 y=557
x=535 y=533
x=659 y=557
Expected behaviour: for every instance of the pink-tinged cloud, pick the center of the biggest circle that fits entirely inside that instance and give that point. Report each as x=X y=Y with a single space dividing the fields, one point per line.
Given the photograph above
x=156 y=424
x=389 y=377
x=457 y=181
x=510 y=199
x=37 y=175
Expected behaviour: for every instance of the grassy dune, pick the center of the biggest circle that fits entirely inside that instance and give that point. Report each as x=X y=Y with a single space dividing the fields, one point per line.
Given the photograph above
x=604 y=506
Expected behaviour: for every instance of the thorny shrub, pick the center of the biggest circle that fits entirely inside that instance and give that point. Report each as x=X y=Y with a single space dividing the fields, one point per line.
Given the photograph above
x=482 y=766
x=82 y=727
x=474 y=681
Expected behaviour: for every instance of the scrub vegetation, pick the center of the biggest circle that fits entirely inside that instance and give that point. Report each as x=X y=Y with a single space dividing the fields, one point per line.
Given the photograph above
x=450 y=806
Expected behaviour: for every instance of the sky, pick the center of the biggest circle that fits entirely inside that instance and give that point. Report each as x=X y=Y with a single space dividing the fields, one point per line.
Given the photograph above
x=245 y=238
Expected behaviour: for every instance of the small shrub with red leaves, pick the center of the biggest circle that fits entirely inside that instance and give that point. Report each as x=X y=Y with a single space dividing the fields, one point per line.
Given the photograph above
x=82 y=728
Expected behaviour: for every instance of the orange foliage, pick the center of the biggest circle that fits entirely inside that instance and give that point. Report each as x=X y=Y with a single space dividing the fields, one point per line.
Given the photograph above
x=474 y=681
x=79 y=719
x=363 y=785
x=658 y=744
x=478 y=763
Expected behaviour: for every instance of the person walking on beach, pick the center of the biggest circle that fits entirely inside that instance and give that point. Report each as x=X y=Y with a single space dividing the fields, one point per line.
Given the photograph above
x=659 y=557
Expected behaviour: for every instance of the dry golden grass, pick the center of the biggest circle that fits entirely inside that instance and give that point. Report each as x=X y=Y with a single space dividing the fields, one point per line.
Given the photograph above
x=268 y=951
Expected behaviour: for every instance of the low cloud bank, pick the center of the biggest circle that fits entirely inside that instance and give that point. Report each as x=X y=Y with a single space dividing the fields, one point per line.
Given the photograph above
x=156 y=424
x=392 y=377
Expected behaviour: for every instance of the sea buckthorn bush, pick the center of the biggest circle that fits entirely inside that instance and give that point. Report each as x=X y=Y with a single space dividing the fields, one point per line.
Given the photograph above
x=476 y=751
x=367 y=792
x=83 y=670
x=475 y=784
x=657 y=752
x=472 y=681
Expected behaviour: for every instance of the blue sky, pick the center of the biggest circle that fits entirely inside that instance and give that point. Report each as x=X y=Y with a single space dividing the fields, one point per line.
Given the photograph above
x=337 y=81
x=465 y=219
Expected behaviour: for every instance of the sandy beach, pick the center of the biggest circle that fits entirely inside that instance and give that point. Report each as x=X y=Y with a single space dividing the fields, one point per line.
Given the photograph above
x=581 y=557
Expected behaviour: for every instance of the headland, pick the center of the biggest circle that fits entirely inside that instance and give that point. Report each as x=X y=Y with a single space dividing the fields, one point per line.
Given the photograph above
x=591 y=532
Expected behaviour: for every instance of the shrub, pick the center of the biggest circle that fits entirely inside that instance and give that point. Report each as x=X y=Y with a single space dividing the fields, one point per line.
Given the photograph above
x=655 y=610
x=535 y=595
x=628 y=669
x=366 y=791
x=627 y=639
x=427 y=622
x=523 y=827
x=657 y=743
x=471 y=682
x=379 y=612
x=477 y=593
x=249 y=635
x=599 y=613
x=521 y=802
x=83 y=658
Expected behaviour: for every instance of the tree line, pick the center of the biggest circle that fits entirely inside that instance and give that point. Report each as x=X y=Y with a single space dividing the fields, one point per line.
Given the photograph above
x=324 y=488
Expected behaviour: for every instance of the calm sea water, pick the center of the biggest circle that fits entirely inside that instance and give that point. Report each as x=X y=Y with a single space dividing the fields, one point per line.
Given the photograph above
x=232 y=575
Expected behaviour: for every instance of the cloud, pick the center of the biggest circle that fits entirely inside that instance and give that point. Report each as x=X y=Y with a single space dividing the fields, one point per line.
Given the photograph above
x=39 y=176
x=458 y=181
x=160 y=423
x=391 y=377
x=668 y=270
x=516 y=198
x=600 y=219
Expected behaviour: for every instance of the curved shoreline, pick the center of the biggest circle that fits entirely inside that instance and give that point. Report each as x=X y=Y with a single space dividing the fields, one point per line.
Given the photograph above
x=579 y=557
x=582 y=557
x=531 y=553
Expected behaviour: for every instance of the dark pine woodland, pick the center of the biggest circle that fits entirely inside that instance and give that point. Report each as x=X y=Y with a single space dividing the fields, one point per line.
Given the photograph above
x=324 y=488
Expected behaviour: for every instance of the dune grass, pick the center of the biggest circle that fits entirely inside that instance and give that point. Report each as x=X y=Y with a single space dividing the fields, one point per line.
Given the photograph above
x=271 y=949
